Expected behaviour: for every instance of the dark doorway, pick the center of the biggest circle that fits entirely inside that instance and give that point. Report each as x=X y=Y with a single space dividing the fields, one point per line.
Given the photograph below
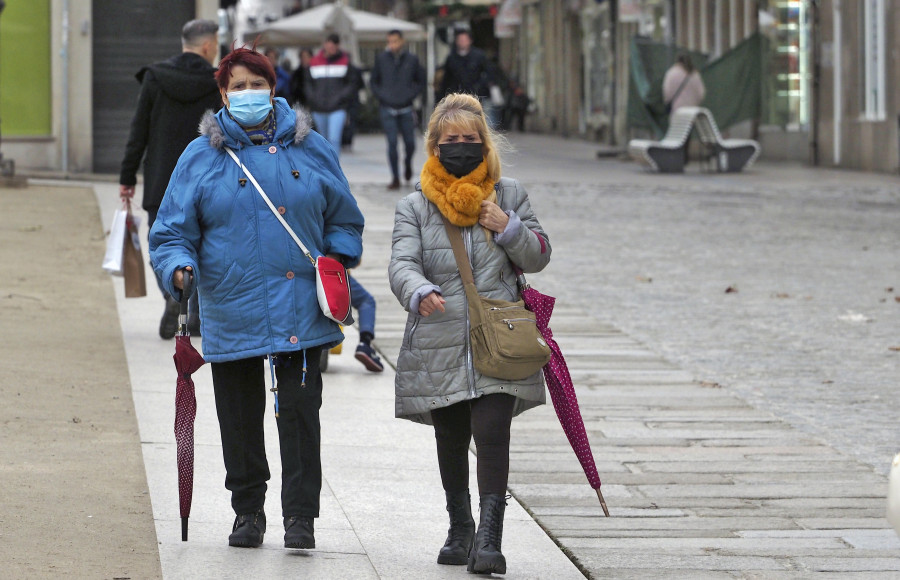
x=127 y=36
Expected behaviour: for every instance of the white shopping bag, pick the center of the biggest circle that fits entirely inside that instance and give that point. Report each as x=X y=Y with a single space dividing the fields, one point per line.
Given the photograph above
x=893 y=499
x=497 y=98
x=115 y=243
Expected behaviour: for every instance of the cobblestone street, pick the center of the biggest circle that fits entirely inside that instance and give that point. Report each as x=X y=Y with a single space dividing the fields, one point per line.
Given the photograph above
x=806 y=331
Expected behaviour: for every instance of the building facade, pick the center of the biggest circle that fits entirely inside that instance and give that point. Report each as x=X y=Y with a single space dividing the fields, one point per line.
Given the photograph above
x=830 y=82
x=71 y=108
x=858 y=109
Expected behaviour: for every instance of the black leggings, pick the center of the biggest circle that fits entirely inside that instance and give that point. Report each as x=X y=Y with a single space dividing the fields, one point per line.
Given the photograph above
x=486 y=418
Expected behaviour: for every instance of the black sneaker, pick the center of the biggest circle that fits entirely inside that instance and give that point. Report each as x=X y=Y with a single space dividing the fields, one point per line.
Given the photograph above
x=168 y=324
x=366 y=355
x=248 y=530
x=298 y=533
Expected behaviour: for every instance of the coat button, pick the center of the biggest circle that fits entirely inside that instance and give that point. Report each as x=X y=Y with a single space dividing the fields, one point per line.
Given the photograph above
x=273 y=149
x=293 y=340
x=289 y=275
x=281 y=209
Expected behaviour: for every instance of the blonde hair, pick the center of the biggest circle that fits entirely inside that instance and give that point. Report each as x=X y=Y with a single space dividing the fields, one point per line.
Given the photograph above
x=464 y=111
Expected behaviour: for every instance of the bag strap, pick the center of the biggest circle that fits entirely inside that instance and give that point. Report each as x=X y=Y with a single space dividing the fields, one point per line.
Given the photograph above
x=459 y=251
x=270 y=204
x=687 y=77
x=465 y=271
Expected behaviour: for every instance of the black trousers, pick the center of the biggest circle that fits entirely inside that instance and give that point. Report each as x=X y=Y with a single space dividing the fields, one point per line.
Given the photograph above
x=241 y=399
x=487 y=419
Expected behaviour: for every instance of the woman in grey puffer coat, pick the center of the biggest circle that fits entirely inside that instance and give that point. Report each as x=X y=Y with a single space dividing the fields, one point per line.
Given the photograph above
x=436 y=381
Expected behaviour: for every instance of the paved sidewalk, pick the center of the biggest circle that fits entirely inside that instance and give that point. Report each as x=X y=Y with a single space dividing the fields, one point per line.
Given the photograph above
x=700 y=483
x=382 y=510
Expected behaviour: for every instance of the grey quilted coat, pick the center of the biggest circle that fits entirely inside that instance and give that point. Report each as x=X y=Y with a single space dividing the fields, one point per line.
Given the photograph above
x=434 y=368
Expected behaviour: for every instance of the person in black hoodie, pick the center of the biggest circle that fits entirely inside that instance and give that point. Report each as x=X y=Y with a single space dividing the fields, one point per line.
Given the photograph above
x=174 y=95
x=397 y=79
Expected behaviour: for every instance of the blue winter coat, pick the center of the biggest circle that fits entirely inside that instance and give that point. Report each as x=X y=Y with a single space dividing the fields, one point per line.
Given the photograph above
x=257 y=289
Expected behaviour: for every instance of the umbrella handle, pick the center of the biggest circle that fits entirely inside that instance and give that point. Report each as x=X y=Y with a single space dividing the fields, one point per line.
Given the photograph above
x=602 y=502
x=187 y=284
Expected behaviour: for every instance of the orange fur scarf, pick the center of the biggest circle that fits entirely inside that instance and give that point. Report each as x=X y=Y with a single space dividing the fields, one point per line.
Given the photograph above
x=458 y=199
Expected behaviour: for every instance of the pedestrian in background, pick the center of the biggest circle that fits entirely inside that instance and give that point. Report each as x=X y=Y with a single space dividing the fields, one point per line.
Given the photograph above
x=174 y=95
x=397 y=80
x=329 y=86
x=282 y=76
x=365 y=305
x=298 y=97
x=468 y=70
x=436 y=382
x=682 y=85
x=354 y=106
x=257 y=290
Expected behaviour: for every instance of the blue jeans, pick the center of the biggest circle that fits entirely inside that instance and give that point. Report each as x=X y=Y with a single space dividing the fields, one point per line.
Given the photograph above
x=404 y=124
x=331 y=125
x=364 y=304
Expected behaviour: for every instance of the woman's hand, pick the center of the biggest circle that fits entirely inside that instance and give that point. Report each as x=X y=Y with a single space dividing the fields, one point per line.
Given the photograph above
x=126 y=191
x=178 y=277
x=492 y=217
x=430 y=303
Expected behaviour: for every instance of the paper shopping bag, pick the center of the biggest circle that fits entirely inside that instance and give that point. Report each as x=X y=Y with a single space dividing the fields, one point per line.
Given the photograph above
x=133 y=261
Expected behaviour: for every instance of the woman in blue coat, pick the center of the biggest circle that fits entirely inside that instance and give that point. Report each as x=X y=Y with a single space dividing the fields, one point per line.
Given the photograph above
x=257 y=289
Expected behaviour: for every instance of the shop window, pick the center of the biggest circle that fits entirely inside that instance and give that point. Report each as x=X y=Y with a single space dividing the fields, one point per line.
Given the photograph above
x=874 y=56
x=787 y=100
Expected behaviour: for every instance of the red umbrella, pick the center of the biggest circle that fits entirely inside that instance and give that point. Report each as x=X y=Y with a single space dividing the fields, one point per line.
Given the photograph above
x=559 y=383
x=187 y=360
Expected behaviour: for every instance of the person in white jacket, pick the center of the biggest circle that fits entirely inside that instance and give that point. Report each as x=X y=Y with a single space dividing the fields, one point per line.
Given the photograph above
x=682 y=85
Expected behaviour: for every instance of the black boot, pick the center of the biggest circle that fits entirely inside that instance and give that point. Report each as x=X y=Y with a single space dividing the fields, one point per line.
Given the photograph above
x=298 y=533
x=485 y=557
x=248 y=530
x=462 y=530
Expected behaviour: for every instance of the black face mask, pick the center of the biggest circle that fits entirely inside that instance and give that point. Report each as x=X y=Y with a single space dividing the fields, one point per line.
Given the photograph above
x=460 y=159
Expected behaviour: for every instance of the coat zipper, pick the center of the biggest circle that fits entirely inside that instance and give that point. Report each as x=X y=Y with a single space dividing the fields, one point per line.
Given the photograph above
x=412 y=332
x=470 y=365
x=515 y=295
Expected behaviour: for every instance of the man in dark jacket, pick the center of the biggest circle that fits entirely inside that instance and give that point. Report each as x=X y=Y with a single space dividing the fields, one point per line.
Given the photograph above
x=329 y=85
x=467 y=70
x=174 y=95
x=397 y=79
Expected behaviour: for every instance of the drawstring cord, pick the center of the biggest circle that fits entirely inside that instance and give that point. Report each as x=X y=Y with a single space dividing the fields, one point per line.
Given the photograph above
x=274 y=388
x=303 y=376
x=285 y=361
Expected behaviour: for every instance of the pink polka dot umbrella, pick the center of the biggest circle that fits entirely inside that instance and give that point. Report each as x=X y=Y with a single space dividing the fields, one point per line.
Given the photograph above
x=187 y=361
x=560 y=386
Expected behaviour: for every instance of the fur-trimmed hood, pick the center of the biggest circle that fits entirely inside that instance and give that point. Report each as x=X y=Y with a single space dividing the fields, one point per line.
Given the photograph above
x=222 y=130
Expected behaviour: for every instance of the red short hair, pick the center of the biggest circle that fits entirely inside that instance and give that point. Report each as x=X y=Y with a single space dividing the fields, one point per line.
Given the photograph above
x=255 y=62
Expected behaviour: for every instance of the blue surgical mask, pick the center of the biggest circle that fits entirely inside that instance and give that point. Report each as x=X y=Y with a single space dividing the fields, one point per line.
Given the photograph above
x=250 y=107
